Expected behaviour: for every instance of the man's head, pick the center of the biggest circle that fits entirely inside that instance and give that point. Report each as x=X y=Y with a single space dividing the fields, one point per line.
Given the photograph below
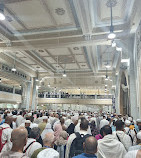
x=75 y=120
x=27 y=123
x=34 y=133
x=8 y=120
x=49 y=139
x=19 y=138
x=90 y=145
x=84 y=124
x=106 y=130
x=119 y=125
x=45 y=119
x=127 y=123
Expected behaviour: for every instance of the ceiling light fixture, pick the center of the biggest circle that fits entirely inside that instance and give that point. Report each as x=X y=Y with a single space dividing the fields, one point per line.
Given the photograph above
x=118 y=49
x=49 y=85
x=105 y=85
x=2 y=16
x=108 y=66
x=37 y=79
x=14 y=67
x=64 y=74
x=113 y=44
x=111 y=35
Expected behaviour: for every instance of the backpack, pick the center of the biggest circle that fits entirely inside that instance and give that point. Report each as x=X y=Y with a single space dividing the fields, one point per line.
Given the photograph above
x=77 y=144
x=1 y=144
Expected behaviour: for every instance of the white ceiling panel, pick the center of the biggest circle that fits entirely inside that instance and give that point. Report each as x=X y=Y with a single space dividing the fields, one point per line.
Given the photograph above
x=42 y=53
x=59 y=51
x=31 y=13
x=28 y=61
x=50 y=59
x=71 y=66
x=60 y=11
x=80 y=58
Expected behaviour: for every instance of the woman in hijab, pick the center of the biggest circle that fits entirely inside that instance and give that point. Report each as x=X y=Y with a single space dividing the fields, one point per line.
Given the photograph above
x=61 y=143
x=46 y=130
x=57 y=130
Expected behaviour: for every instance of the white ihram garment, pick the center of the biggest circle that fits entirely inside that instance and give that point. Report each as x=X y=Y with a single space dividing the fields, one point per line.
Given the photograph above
x=6 y=136
x=109 y=147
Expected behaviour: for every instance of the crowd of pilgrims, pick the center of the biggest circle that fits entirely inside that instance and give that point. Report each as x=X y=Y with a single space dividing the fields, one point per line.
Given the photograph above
x=68 y=134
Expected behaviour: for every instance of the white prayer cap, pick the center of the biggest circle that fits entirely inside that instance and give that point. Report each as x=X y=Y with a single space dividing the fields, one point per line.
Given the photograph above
x=29 y=114
x=130 y=118
x=104 y=123
x=74 y=118
x=139 y=135
x=44 y=117
x=127 y=122
x=139 y=120
x=27 y=121
x=115 y=119
x=9 y=114
x=33 y=125
x=14 y=116
x=51 y=153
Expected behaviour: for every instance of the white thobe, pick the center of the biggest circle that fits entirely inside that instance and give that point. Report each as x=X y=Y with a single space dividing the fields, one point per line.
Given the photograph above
x=131 y=154
x=19 y=120
x=68 y=122
x=49 y=152
x=124 y=138
x=6 y=136
x=32 y=147
x=132 y=133
x=109 y=147
x=14 y=125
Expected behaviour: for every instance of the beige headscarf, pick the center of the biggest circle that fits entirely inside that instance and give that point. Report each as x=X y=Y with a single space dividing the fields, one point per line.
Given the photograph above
x=62 y=139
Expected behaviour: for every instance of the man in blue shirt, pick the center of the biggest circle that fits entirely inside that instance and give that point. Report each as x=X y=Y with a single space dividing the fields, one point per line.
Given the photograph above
x=90 y=148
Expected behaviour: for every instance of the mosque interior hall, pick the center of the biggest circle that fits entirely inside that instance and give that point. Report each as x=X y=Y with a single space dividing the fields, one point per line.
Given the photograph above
x=80 y=55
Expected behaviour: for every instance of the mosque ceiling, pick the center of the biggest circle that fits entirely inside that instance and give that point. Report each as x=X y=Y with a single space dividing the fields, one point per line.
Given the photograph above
x=53 y=36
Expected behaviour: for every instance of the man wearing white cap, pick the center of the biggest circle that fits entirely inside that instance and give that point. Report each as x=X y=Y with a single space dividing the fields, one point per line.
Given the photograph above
x=130 y=132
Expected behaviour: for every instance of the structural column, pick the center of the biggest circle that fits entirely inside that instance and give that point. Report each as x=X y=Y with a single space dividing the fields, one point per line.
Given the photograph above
x=34 y=95
x=133 y=69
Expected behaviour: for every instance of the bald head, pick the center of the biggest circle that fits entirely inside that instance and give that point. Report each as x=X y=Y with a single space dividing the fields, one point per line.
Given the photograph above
x=19 y=137
x=90 y=145
x=49 y=139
